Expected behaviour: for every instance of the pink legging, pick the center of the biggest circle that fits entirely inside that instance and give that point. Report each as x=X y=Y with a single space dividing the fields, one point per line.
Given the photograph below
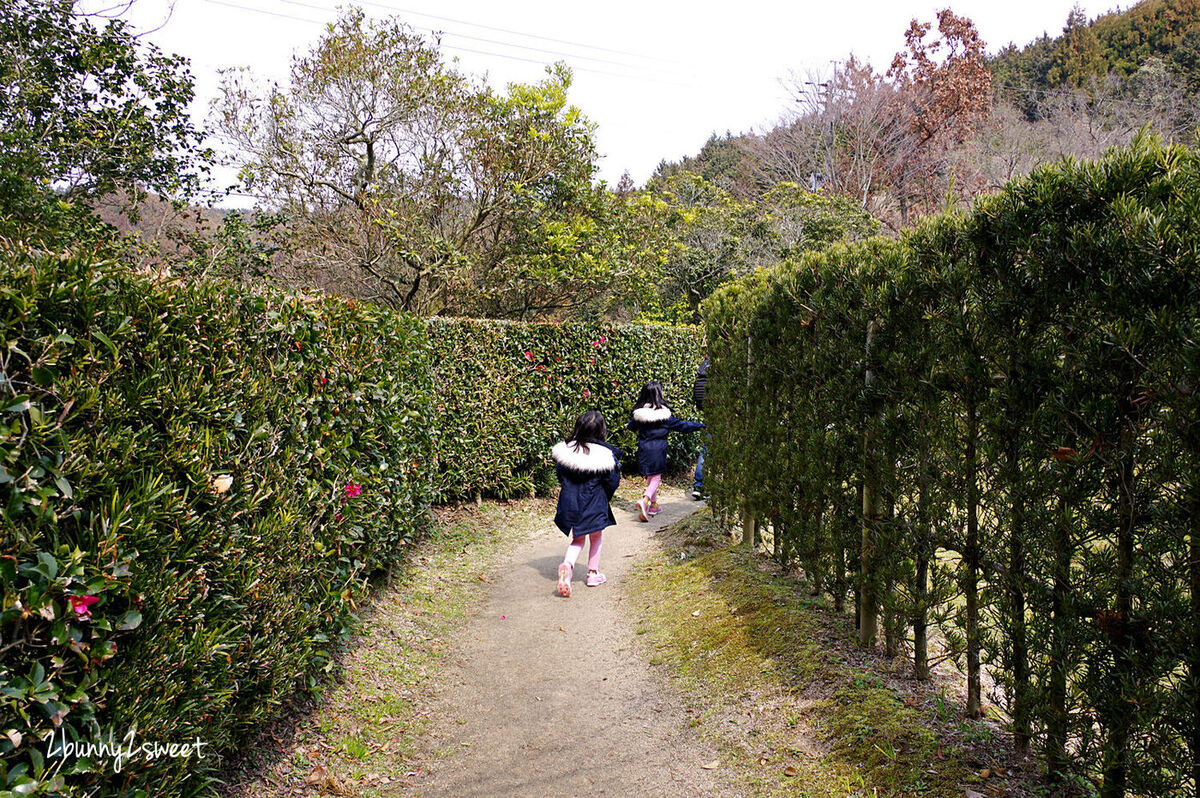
x=593 y=550
x=651 y=491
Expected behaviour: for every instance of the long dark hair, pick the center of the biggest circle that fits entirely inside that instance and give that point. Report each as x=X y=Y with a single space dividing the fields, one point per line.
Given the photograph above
x=651 y=396
x=589 y=428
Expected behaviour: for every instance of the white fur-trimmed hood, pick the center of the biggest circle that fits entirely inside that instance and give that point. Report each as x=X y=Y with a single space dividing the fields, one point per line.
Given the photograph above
x=598 y=459
x=651 y=415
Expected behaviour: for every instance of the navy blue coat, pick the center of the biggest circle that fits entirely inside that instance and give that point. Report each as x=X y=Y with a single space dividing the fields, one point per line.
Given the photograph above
x=652 y=425
x=588 y=481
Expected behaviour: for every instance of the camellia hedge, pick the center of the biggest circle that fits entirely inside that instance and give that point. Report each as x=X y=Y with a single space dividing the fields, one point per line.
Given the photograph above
x=507 y=391
x=990 y=428
x=196 y=484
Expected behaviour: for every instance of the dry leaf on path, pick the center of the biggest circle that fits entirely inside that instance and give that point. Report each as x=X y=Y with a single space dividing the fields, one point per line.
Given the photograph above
x=713 y=765
x=790 y=771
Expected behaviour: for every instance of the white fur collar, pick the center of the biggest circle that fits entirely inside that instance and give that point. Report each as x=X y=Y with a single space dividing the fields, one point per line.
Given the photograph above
x=651 y=415
x=597 y=460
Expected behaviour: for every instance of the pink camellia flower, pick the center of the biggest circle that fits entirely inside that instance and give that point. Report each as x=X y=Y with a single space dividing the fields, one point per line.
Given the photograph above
x=586 y=393
x=603 y=339
x=82 y=605
x=353 y=489
x=528 y=355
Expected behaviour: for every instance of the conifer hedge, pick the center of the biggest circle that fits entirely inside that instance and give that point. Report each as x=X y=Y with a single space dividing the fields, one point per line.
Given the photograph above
x=989 y=428
x=196 y=484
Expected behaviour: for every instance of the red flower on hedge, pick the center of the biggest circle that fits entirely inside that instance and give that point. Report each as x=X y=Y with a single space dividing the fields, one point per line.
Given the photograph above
x=528 y=355
x=586 y=393
x=82 y=605
x=352 y=489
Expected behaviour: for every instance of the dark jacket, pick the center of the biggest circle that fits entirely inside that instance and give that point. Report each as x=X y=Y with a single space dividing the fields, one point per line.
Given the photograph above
x=588 y=481
x=700 y=387
x=652 y=425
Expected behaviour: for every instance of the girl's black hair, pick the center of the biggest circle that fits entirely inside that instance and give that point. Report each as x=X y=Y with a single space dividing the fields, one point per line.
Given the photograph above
x=651 y=396
x=589 y=428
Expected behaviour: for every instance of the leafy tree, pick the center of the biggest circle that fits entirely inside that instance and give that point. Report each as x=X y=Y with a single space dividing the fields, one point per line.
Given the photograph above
x=412 y=185
x=86 y=112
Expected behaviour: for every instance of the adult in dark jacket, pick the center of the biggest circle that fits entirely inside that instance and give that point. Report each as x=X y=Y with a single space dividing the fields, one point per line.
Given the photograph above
x=652 y=419
x=699 y=389
x=589 y=471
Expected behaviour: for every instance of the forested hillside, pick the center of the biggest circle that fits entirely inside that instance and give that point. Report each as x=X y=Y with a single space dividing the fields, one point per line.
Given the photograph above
x=929 y=132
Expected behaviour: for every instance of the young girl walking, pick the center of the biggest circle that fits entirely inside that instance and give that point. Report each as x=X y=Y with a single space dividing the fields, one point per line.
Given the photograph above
x=652 y=420
x=589 y=471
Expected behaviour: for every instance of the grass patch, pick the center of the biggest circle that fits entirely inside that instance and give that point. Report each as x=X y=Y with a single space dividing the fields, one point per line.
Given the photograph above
x=361 y=736
x=774 y=679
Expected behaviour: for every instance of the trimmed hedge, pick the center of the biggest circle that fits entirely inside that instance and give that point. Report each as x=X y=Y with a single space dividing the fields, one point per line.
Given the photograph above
x=222 y=472
x=992 y=428
x=508 y=391
x=196 y=484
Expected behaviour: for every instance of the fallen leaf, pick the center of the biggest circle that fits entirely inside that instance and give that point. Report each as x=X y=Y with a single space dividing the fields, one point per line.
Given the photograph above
x=318 y=776
x=939 y=753
x=222 y=483
x=483 y=578
x=713 y=765
x=790 y=771
x=561 y=629
x=985 y=773
x=694 y=614
x=762 y=760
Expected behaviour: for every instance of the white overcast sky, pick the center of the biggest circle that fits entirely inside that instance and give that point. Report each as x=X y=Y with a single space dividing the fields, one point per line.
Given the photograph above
x=657 y=78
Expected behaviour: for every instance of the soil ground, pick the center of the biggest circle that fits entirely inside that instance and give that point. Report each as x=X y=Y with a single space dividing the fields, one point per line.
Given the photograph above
x=548 y=695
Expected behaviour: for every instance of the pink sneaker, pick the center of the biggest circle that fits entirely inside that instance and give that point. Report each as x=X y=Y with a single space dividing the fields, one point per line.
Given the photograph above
x=595 y=579
x=564 y=580
x=643 y=510
x=653 y=510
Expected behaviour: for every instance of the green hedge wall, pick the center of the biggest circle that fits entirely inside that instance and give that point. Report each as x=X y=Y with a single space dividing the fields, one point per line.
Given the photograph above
x=196 y=483
x=507 y=392
x=990 y=428
x=221 y=471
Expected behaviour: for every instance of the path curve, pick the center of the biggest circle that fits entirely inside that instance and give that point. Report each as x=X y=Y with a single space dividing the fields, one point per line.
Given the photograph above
x=548 y=696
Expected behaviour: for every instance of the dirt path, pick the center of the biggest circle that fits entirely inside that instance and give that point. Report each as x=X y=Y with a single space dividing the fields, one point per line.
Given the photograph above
x=548 y=695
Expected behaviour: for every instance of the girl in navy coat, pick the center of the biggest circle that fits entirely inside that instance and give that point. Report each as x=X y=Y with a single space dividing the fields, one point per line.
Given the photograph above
x=589 y=471
x=652 y=420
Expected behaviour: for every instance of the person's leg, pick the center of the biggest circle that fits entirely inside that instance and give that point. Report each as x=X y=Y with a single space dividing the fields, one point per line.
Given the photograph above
x=698 y=481
x=594 y=577
x=594 y=543
x=567 y=569
x=652 y=488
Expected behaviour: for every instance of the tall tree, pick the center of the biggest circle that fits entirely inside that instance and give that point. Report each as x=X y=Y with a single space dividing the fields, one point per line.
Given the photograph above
x=412 y=185
x=85 y=112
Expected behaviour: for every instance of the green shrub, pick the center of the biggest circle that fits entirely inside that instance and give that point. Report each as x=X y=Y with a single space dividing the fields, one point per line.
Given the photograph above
x=196 y=482
x=508 y=391
x=991 y=427
x=221 y=471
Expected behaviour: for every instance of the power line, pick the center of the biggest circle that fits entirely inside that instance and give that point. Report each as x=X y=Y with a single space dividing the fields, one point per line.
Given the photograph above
x=1068 y=93
x=518 y=33
x=455 y=47
x=455 y=34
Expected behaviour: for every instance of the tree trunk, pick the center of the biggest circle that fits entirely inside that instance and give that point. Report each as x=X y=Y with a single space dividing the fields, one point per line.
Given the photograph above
x=1057 y=764
x=971 y=562
x=1022 y=729
x=868 y=620
x=1116 y=747
x=924 y=553
x=749 y=528
x=1194 y=579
